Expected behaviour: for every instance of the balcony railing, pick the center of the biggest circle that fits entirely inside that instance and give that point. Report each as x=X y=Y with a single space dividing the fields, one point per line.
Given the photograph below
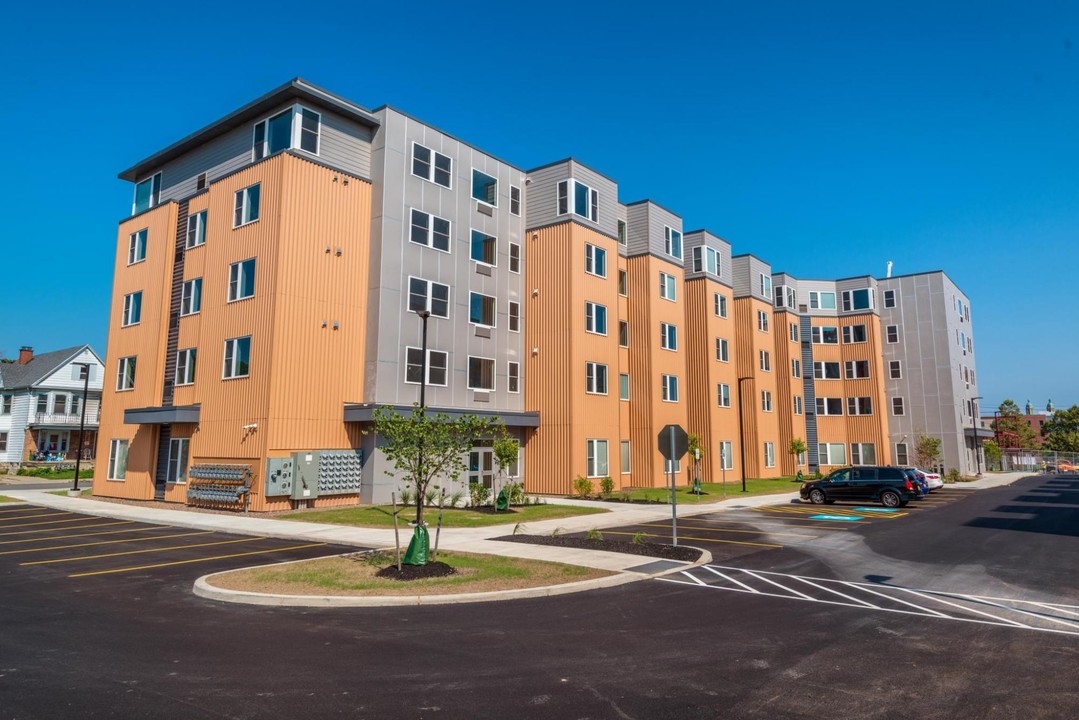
x=67 y=420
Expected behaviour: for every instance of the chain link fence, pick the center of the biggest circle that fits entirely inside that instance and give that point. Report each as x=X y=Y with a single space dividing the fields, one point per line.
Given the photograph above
x=1013 y=459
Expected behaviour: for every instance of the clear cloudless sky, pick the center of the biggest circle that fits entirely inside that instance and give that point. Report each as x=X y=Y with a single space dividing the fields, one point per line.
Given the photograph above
x=824 y=137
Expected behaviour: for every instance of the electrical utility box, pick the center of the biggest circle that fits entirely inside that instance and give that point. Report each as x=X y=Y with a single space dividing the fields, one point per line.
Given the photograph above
x=278 y=477
x=305 y=475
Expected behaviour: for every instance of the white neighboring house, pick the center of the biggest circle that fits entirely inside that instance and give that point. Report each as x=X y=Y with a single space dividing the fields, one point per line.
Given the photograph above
x=41 y=404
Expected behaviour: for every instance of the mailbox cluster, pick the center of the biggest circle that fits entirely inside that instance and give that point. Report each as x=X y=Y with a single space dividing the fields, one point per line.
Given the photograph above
x=307 y=475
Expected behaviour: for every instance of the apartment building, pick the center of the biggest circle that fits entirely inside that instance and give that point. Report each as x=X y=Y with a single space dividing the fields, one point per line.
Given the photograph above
x=291 y=259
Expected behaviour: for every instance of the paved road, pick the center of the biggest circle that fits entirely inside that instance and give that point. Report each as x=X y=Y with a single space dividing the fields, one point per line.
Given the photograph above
x=658 y=649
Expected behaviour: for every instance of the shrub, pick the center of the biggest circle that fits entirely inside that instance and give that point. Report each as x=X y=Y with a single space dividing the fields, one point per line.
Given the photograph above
x=430 y=496
x=406 y=496
x=478 y=494
x=515 y=493
x=638 y=538
x=582 y=486
x=606 y=485
x=594 y=534
x=455 y=498
x=952 y=476
x=520 y=528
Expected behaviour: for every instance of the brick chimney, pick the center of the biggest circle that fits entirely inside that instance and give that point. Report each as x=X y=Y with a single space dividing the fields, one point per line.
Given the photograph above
x=26 y=354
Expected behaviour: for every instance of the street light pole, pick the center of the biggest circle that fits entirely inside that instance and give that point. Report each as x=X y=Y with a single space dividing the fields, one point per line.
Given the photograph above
x=424 y=314
x=974 y=421
x=85 y=372
x=741 y=431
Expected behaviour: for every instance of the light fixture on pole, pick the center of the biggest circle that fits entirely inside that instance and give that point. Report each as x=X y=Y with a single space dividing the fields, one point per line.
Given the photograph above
x=84 y=371
x=974 y=440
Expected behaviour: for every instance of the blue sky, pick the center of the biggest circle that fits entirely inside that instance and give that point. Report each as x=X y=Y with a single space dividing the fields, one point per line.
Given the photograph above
x=826 y=138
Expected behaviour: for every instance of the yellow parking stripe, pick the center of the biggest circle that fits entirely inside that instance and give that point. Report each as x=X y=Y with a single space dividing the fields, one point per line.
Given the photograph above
x=19 y=507
x=35 y=515
x=727 y=530
x=70 y=527
x=140 y=552
x=104 y=542
x=731 y=542
x=195 y=560
x=78 y=535
x=47 y=522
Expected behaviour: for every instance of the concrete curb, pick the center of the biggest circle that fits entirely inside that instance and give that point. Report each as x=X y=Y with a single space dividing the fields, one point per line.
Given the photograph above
x=204 y=588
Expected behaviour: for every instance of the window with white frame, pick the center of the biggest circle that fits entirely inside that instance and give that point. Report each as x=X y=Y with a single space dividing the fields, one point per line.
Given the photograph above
x=769 y=454
x=242 y=279
x=824 y=335
x=726 y=455
x=723 y=395
x=672 y=242
x=43 y=403
x=595 y=260
x=481 y=309
x=296 y=127
x=626 y=457
x=668 y=336
x=483 y=248
x=237 y=358
x=437 y=367
x=623 y=386
x=136 y=246
x=889 y=302
x=826 y=370
x=895 y=369
x=191 y=296
x=766 y=400
x=429 y=230
x=245 y=209
x=196 y=230
x=796 y=368
x=819 y=300
x=178 y=454
x=623 y=283
x=829 y=406
x=513 y=377
x=515 y=200
x=622 y=232
x=723 y=353
x=59 y=404
x=481 y=373
x=484 y=187
x=515 y=316
x=595 y=378
x=766 y=361
x=854 y=334
x=515 y=258
x=5 y=403
x=766 y=286
x=856 y=369
x=595 y=318
x=859 y=406
x=117 y=460
x=855 y=300
x=125 y=373
x=185 y=366
x=892 y=334
x=147 y=194
x=706 y=259
x=719 y=305
x=596 y=452
x=795 y=335
x=863 y=454
x=430 y=296
x=669 y=388
x=132 y=309
x=676 y=469
x=3 y=442
x=579 y=199
x=623 y=333
x=666 y=286
x=432 y=166
x=797 y=404
x=785 y=296
x=832 y=453
x=897 y=406
x=762 y=321
x=901 y=457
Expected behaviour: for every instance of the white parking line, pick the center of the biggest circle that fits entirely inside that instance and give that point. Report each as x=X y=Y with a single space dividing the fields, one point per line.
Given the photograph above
x=836 y=592
x=781 y=587
x=863 y=588
x=963 y=608
x=711 y=569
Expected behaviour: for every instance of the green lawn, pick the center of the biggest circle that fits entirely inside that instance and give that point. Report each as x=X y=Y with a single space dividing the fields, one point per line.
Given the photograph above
x=382 y=515
x=5 y=498
x=46 y=474
x=713 y=492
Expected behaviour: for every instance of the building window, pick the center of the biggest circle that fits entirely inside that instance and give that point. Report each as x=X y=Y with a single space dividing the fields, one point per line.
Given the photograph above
x=723 y=395
x=278 y=132
x=859 y=406
x=147 y=194
x=579 y=199
x=863 y=454
x=827 y=335
x=889 y=302
x=762 y=321
x=726 y=455
x=785 y=297
x=43 y=403
x=515 y=258
x=437 y=366
x=237 y=357
x=668 y=336
x=483 y=248
x=513 y=377
x=766 y=400
x=438 y=172
x=430 y=296
x=595 y=378
x=5 y=404
x=623 y=386
x=191 y=296
x=766 y=361
x=136 y=247
x=722 y=350
x=623 y=283
x=132 y=309
x=854 y=334
x=672 y=242
x=242 y=279
x=769 y=454
x=481 y=309
x=706 y=259
x=623 y=333
x=481 y=373
x=429 y=230
x=625 y=457
x=796 y=368
x=832 y=453
x=897 y=406
x=595 y=260
x=829 y=406
x=854 y=300
x=719 y=303
x=178 y=453
x=856 y=369
x=900 y=448
x=125 y=375
x=484 y=187
x=117 y=460
x=246 y=208
x=666 y=286
x=595 y=318
x=515 y=316
x=797 y=404
x=766 y=286
x=895 y=369
x=621 y=232
x=826 y=370
x=596 y=451
x=892 y=334
x=669 y=388
x=515 y=200
x=196 y=230
x=794 y=332
x=185 y=366
x=821 y=300
x=3 y=442
x=59 y=404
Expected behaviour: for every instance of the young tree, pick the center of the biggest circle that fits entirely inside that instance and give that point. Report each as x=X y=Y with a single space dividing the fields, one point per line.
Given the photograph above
x=992 y=452
x=506 y=450
x=927 y=451
x=695 y=449
x=796 y=448
x=1061 y=432
x=1012 y=427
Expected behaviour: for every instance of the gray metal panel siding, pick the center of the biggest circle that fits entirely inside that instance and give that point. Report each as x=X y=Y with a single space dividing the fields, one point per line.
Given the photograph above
x=705 y=238
x=747 y=271
x=807 y=286
x=541 y=208
x=344 y=144
x=637 y=242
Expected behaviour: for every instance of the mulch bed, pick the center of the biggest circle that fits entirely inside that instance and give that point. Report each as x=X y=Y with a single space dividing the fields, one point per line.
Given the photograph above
x=416 y=572
x=648 y=549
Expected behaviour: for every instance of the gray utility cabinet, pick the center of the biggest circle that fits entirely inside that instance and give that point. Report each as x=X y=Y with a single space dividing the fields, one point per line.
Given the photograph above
x=314 y=473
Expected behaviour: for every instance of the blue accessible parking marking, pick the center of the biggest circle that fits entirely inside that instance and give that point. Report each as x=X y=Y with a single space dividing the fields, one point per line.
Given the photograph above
x=848 y=518
x=883 y=510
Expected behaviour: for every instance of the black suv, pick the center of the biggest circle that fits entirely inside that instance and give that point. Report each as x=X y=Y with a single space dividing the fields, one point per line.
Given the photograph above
x=889 y=486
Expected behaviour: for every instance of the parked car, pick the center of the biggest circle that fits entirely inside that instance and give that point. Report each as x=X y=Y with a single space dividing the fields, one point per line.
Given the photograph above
x=932 y=480
x=889 y=486
x=1066 y=467
x=917 y=479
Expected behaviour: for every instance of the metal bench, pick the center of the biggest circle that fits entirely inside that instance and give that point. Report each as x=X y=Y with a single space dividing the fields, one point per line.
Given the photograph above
x=219 y=486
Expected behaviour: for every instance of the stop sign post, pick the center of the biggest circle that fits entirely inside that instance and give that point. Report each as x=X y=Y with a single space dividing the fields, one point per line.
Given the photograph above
x=673 y=444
